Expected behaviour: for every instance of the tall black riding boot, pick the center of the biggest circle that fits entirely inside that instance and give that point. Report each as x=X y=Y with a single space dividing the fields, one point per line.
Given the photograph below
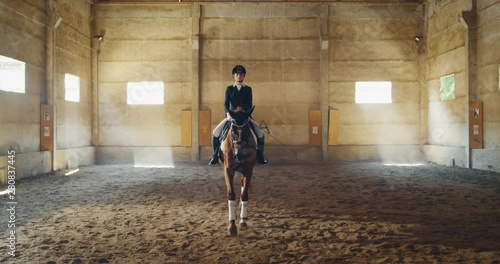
x=215 y=145
x=261 y=158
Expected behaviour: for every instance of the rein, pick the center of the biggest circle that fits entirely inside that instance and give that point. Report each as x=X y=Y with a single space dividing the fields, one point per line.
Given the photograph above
x=240 y=127
x=240 y=136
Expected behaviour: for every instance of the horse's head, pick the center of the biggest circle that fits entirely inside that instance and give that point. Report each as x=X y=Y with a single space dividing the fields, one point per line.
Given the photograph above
x=240 y=132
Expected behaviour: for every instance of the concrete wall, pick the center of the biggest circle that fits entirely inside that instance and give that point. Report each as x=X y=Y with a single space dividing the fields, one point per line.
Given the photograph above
x=283 y=47
x=73 y=56
x=279 y=46
x=23 y=39
x=448 y=53
x=375 y=43
x=446 y=121
x=150 y=42
x=488 y=87
x=23 y=27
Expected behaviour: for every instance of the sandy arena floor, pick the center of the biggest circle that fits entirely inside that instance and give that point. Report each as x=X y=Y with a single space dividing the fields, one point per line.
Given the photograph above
x=344 y=212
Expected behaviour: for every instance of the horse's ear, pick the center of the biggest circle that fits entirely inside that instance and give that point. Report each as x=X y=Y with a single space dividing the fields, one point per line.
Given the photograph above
x=249 y=112
x=232 y=114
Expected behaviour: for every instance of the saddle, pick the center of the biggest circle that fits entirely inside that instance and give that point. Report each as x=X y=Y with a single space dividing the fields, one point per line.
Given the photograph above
x=225 y=131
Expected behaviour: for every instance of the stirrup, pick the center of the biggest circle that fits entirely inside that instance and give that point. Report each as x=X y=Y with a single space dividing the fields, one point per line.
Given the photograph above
x=213 y=160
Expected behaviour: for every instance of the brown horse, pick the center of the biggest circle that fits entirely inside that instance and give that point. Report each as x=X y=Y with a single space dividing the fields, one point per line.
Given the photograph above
x=238 y=155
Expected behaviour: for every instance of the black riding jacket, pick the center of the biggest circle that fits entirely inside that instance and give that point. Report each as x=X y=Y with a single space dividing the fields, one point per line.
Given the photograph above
x=235 y=98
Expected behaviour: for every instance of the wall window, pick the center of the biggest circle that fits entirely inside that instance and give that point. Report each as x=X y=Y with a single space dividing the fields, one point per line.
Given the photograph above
x=71 y=88
x=373 y=92
x=145 y=93
x=447 y=90
x=12 y=75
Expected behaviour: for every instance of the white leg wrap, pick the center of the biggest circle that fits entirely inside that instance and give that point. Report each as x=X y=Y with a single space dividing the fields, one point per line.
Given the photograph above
x=232 y=210
x=243 y=210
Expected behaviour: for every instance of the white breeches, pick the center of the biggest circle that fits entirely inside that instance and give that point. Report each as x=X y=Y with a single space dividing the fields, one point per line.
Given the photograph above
x=258 y=130
x=218 y=129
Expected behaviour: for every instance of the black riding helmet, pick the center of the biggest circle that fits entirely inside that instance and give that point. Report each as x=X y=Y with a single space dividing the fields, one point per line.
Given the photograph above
x=239 y=69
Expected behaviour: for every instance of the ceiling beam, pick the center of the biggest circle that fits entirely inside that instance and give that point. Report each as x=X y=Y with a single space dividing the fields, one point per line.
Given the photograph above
x=266 y=1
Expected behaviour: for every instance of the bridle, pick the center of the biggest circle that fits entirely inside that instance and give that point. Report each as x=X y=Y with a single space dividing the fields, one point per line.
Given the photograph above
x=242 y=144
x=240 y=127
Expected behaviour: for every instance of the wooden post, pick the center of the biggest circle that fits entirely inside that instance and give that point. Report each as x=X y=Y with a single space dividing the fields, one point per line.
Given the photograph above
x=205 y=133
x=333 y=127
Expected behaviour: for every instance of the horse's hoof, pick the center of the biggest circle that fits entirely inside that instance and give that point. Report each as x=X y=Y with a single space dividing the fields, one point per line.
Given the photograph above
x=232 y=230
x=243 y=225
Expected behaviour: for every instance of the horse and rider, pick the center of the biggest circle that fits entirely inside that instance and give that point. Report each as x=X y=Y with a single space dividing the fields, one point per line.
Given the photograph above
x=238 y=98
x=238 y=143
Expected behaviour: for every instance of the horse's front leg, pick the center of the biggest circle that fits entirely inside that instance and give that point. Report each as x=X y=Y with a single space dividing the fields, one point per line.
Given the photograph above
x=245 y=185
x=231 y=198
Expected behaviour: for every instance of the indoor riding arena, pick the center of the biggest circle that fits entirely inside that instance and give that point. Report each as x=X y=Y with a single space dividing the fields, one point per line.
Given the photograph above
x=380 y=123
